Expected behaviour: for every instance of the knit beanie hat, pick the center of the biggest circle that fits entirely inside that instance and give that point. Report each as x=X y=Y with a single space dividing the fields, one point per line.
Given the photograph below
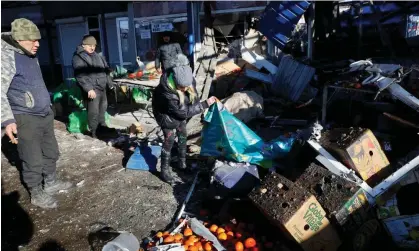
x=182 y=75
x=24 y=29
x=182 y=72
x=89 y=40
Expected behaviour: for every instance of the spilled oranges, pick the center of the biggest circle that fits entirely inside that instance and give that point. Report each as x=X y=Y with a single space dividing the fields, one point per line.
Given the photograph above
x=187 y=232
x=250 y=243
x=239 y=246
x=213 y=228
x=222 y=236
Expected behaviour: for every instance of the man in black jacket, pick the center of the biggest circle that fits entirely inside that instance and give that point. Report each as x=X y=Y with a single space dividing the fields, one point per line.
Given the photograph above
x=92 y=73
x=166 y=54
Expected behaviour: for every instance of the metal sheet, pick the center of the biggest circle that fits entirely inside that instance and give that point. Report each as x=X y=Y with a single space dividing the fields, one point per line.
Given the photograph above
x=258 y=76
x=291 y=79
x=279 y=19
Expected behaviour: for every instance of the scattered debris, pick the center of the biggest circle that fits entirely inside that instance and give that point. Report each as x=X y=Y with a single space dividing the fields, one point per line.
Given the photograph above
x=80 y=184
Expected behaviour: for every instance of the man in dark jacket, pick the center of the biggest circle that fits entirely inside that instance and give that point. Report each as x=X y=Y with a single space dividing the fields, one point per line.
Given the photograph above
x=92 y=73
x=166 y=54
x=175 y=100
x=26 y=109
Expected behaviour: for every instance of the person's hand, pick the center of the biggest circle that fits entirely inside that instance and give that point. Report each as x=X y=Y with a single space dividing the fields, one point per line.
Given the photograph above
x=211 y=100
x=91 y=94
x=11 y=130
x=158 y=71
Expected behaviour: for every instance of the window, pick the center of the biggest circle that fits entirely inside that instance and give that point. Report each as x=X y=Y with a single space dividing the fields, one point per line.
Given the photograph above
x=123 y=28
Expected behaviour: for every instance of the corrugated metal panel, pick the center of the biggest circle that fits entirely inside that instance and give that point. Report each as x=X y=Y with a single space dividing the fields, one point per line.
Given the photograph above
x=292 y=79
x=279 y=19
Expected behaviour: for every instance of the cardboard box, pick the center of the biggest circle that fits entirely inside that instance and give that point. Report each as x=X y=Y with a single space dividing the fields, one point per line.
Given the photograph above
x=330 y=190
x=311 y=229
x=359 y=150
x=225 y=68
x=297 y=212
x=404 y=230
x=354 y=213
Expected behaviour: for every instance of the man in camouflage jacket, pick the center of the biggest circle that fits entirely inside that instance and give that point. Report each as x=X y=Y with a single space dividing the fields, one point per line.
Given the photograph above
x=26 y=112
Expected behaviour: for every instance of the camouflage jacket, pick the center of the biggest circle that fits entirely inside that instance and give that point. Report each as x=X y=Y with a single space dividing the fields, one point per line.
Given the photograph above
x=23 y=89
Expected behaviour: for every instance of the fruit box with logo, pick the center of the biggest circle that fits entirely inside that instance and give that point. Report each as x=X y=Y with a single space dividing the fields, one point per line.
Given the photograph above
x=404 y=230
x=354 y=212
x=296 y=212
x=359 y=150
x=312 y=230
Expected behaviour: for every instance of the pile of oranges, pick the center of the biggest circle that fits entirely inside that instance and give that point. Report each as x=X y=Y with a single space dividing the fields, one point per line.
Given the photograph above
x=234 y=237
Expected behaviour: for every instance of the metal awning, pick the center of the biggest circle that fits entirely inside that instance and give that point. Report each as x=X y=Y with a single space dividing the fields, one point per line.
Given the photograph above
x=279 y=19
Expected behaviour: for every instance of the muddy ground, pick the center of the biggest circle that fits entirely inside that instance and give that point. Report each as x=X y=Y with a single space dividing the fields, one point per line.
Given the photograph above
x=107 y=195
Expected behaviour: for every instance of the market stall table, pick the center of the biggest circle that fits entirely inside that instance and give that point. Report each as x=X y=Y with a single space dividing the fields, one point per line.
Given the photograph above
x=133 y=83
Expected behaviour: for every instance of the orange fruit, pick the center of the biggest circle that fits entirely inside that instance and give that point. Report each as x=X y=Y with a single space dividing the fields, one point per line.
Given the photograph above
x=222 y=236
x=187 y=232
x=238 y=235
x=220 y=230
x=207 y=246
x=193 y=248
x=178 y=241
x=159 y=235
x=178 y=236
x=239 y=246
x=213 y=228
x=199 y=246
x=169 y=239
x=165 y=234
x=249 y=243
x=185 y=248
x=193 y=238
x=189 y=243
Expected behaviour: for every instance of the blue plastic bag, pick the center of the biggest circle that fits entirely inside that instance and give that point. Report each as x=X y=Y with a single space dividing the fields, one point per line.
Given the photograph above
x=226 y=136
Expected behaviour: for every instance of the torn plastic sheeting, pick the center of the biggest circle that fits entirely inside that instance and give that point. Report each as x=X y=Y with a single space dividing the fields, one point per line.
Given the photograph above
x=292 y=78
x=234 y=180
x=199 y=229
x=224 y=135
x=279 y=19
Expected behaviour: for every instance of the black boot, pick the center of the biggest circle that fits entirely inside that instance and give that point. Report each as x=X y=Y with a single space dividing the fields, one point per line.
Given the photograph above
x=165 y=173
x=182 y=157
